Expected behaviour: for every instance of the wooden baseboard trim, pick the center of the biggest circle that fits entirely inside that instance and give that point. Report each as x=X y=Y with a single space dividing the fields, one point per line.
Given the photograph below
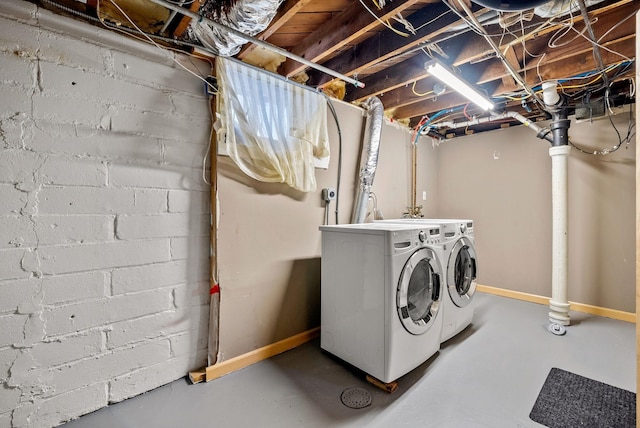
x=218 y=370
x=580 y=307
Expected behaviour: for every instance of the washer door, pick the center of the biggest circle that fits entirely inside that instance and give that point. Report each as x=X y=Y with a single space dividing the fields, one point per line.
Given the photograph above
x=461 y=272
x=418 y=296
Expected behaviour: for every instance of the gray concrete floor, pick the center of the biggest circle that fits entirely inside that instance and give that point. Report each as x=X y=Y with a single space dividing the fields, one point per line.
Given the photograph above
x=488 y=376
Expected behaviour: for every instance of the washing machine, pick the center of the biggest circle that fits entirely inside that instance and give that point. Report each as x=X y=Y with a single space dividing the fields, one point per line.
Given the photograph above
x=457 y=249
x=381 y=292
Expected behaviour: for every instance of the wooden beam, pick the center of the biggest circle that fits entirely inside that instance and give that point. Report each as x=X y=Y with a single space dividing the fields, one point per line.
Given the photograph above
x=285 y=13
x=389 y=79
x=560 y=69
x=583 y=62
x=475 y=47
x=512 y=59
x=397 y=76
x=347 y=27
x=387 y=44
x=405 y=95
x=421 y=108
x=409 y=106
x=184 y=22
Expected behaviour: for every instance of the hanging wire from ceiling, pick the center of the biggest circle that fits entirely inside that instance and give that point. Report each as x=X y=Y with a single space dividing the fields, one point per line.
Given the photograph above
x=514 y=73
x=621 y=141
x=386 y=24
x=339 y=177
x=592 y=38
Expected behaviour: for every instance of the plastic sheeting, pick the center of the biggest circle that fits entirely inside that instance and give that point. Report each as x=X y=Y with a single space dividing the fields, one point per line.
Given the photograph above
x=273 y=130
x=248 y=16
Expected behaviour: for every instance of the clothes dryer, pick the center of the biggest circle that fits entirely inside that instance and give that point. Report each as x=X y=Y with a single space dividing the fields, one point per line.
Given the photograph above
x=381 y=296
x=457 y=246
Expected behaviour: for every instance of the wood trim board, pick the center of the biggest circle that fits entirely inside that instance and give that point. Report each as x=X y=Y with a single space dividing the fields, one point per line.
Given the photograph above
x=225 y=367
x=580 y=307
x=218 y=370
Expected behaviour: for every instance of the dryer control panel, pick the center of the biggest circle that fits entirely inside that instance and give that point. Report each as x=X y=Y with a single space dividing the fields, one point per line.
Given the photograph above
x=467 y=228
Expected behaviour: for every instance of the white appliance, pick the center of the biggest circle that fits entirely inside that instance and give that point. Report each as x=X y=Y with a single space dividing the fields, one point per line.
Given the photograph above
x=381 y=293
x=457 y=246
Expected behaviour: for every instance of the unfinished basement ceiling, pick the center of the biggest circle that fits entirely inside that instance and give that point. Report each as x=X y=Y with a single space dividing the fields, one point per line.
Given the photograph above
x=388 y=52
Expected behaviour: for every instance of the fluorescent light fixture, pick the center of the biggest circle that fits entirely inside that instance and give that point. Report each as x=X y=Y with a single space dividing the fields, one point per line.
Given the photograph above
x=442 y=73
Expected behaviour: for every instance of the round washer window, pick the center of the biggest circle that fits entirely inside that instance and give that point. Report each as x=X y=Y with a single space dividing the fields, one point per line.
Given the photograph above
x=461 y=272
x=419 y=291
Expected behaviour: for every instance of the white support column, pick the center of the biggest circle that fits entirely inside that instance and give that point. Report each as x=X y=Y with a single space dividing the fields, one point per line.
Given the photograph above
x=559 y=303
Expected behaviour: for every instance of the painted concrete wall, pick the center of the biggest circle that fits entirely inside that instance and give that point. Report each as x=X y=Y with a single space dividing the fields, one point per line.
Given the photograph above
x=502 y=180
x=269 y=241
x=103 y=218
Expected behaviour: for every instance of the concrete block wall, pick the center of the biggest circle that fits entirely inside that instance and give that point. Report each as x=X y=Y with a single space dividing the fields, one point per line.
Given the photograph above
x=104 y=218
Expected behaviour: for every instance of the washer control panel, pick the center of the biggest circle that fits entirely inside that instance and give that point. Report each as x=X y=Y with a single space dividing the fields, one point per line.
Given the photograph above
x=430 y=235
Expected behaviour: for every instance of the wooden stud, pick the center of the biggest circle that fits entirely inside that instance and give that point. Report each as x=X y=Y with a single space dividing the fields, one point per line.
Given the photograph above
x=184 y=22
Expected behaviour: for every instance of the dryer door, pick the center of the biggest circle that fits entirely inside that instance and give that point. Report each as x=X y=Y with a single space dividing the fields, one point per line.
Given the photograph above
x=419 y=291
x=461 y=272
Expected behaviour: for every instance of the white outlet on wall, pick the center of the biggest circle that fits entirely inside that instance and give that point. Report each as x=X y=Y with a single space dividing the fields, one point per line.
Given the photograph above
x=424 y=195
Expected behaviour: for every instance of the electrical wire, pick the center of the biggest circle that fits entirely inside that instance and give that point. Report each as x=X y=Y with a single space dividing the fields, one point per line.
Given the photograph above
x=432 y=20
x=327 y=204
x=413 y=89
x=616 y=26
x=464 y=111
x=621 y=141
x=407 y=25
x=426 y=125
x=563 y=31
x=147 y=37
x=335 y=118
x=386 y=24
x=206 y=153
x=172 y=57
x=588 y=75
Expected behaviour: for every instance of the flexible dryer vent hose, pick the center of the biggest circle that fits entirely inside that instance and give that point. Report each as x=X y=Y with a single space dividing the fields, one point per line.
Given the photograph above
x=369 y=157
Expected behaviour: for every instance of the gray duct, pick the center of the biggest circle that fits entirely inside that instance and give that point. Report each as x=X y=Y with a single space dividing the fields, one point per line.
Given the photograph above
x=247 y=16
x=368 y=158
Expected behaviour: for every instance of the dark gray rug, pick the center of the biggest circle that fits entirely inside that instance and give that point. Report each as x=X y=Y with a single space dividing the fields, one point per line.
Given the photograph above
x=568 y=400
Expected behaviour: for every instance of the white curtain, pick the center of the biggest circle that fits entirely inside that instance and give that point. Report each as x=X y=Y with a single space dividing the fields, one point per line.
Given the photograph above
x=272 y=129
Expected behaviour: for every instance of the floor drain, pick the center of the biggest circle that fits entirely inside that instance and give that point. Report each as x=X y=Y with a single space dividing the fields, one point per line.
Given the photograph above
x=356 y=398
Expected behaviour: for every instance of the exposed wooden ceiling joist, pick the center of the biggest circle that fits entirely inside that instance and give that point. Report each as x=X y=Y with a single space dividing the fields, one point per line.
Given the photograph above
x=286 y=12
x=343 y=36
x=347 y=27
x=387 y=44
